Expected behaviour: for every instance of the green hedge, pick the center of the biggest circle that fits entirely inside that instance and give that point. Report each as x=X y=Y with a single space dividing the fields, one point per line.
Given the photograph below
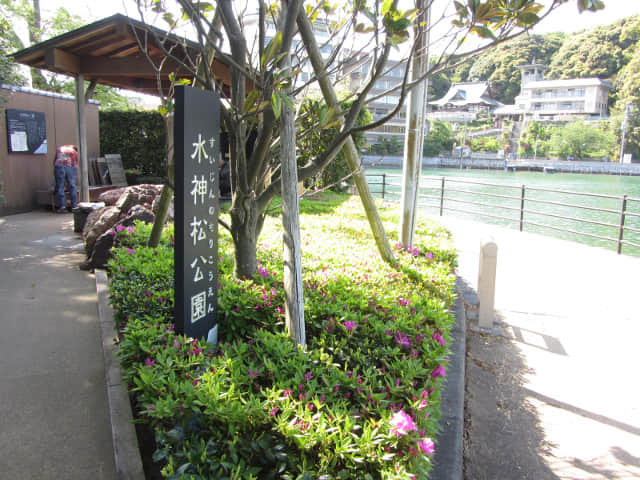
x=138 y=136
x=361 y=403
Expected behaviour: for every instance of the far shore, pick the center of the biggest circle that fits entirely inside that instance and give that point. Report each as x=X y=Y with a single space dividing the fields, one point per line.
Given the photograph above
x=485 y=162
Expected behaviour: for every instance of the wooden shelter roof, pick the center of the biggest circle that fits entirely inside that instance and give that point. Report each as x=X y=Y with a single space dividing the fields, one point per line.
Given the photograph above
x=118 y=51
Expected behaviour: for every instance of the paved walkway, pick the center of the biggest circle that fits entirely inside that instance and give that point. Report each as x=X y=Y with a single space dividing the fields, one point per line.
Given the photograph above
x=54 y=420
x=558 y=395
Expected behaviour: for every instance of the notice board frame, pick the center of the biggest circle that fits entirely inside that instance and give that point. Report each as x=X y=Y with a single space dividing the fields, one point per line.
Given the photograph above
x=26 y=131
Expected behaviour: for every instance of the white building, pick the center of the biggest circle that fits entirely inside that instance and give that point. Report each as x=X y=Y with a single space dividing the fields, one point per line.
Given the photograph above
x=558 y=99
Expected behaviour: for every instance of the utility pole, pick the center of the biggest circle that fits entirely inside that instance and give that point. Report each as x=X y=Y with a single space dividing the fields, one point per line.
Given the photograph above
x=415 y=127
x=628 y=107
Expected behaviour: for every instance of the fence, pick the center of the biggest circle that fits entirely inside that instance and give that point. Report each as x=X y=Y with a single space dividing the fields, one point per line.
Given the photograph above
x=522 y=205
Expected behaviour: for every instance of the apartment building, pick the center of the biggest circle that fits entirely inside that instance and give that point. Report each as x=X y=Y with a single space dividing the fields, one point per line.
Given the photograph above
x=558 y=99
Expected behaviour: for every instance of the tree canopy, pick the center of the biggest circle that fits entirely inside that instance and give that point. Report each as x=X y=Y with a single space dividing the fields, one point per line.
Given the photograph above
x=15 y=14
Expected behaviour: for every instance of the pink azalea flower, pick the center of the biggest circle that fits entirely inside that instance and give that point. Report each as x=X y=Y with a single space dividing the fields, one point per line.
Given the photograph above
x=130 y=251
x=438 y=338
x=429 y=255
x=402 y=423
x=119 y=228
x=350 y=326
x=402 y=339
x=439 y=371
x=427 y=446
x=148 y=362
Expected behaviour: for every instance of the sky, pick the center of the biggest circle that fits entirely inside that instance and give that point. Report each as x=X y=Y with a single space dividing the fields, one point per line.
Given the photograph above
x=564 y=19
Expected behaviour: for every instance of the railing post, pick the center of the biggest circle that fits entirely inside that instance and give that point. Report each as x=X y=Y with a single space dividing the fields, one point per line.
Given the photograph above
x=441 y=196
x=522 y=192
x=622 y=218
x=384 y=183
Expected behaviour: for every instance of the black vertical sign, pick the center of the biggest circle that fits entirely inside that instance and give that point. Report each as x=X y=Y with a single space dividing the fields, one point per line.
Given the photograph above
x=197 y=152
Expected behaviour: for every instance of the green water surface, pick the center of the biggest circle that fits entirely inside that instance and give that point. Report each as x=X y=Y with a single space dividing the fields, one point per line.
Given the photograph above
x=509 y=184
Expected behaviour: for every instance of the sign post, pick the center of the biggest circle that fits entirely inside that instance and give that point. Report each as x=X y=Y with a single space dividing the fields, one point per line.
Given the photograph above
x=197 y=151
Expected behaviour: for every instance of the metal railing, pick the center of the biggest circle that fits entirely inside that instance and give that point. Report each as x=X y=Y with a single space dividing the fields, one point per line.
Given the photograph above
x=450 y=194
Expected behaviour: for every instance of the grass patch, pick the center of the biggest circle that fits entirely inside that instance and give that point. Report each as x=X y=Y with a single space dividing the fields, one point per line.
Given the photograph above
x=361 y=403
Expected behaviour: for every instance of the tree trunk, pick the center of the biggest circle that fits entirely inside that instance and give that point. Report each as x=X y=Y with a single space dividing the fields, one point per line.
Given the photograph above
x=415 y=126
x=246 y=224
x=350 y=150
x=167 y=192
x=294 y=297
x=35 y=26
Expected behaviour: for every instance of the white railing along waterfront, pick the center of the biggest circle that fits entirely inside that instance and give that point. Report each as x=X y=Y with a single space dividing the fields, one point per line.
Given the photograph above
x=524 y=203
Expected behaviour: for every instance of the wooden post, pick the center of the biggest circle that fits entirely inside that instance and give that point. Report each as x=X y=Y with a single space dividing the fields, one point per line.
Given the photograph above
x=414 y=130
x=82 y=139
x=294 y=296
x=487 y=282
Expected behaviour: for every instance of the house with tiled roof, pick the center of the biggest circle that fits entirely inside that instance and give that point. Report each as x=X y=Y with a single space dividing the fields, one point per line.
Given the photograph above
x=463 y=102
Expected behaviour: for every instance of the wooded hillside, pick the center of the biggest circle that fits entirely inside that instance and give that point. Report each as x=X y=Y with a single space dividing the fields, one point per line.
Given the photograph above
x=606 y=52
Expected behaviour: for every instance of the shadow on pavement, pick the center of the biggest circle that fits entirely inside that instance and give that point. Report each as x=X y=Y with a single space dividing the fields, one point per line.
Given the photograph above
x=503 y=436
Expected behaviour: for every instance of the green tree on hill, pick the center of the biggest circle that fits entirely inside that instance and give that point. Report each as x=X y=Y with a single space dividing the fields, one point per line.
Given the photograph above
x=628 y=92
x=599 y=52
x=579 y=140
x=499 y=65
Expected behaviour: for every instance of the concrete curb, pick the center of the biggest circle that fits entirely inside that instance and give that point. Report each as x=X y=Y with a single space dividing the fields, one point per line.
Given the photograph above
x=123 y=435
x=449 y=454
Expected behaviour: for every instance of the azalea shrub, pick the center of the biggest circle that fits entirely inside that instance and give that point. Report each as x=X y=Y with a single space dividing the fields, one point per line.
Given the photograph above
x=360 y=402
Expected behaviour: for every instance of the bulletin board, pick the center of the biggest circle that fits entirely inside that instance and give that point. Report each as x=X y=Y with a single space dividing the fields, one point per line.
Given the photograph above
x=26 y=132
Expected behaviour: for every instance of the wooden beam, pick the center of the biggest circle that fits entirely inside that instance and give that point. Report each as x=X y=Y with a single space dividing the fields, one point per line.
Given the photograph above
x=116 y=45
x=129 y=67
x=56 y=59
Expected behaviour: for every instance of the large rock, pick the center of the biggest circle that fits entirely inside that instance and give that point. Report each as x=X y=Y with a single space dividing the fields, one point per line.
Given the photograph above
x=137 y=212
x=104 y=220
x=110 y=197
x=132 y=203
x=101 y=252
x=137 y=195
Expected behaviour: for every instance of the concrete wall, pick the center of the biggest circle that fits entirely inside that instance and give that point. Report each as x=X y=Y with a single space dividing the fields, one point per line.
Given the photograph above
x=24 y=174
x=488 y=163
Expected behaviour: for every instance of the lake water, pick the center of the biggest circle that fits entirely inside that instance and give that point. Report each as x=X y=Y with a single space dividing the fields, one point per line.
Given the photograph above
x=542 y=214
